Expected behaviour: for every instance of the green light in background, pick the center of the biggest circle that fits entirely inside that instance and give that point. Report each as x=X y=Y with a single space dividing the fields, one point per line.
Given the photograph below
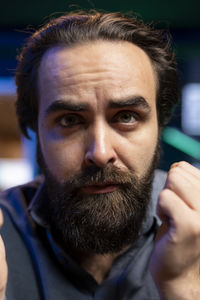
x=181 y=142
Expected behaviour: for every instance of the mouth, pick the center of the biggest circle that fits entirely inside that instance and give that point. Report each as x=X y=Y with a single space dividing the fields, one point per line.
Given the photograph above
x=100 y=188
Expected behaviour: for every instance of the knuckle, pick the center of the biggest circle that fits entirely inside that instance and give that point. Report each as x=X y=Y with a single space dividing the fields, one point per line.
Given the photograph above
x=194 y=229
x=173 y=177
x=165 y=193
x=182 y=164
x=173 y=172
x=163 y=197
x=178 y=165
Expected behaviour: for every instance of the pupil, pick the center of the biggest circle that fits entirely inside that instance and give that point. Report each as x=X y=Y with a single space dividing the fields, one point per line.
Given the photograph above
x=127 y=117
x=71 y=119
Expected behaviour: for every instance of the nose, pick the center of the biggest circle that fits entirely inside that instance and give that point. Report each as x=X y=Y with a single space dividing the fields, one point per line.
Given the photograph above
x=100 y=150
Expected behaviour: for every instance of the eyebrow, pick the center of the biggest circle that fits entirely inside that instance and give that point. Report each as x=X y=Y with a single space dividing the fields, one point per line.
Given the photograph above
x=136 y=101
x=66 y=105
x=69 y=105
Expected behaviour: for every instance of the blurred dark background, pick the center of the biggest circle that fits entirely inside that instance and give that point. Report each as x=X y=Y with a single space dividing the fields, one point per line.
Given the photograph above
x=181 y=140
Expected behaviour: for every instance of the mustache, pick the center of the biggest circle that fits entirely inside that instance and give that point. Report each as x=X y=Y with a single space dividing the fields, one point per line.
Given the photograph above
x=93 y=175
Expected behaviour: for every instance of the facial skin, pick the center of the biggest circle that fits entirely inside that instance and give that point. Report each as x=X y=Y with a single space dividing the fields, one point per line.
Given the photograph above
x=95 y=75
x=97 y=109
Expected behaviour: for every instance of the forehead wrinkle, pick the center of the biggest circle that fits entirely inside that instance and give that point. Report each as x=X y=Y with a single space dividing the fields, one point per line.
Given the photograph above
x=69 y=77
x=86 y=78
x=64 y=67
x=100 y=81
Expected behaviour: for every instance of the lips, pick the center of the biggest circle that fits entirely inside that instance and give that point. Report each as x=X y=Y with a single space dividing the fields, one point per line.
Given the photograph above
x=100 y=188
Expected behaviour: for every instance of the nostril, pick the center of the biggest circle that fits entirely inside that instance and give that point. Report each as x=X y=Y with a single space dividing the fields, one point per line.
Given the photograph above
x=90 y=161
x=99 y=160
x=100 y=151
x=111 y=160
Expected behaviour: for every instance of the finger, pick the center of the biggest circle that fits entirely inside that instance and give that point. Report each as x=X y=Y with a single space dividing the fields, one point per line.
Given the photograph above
x=185 y=185
x=186 y=166
x=2 y=248
x=3 y=265
x=1 y=218
x=181 y=232
x=170 y=206
x=3 y=270
x=176 y=214
x=192 y=173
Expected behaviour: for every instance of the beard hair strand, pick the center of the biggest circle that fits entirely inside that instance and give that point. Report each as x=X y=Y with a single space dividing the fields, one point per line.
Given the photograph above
x=97 y=223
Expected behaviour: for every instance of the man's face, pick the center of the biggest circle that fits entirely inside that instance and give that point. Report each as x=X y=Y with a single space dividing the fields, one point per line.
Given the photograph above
x=97 y=117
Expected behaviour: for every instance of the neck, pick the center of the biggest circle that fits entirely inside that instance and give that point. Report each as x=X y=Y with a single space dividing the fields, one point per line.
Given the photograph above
x=97 y=265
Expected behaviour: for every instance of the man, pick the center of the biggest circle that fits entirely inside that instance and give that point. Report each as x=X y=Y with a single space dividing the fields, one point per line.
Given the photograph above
x=97 y=90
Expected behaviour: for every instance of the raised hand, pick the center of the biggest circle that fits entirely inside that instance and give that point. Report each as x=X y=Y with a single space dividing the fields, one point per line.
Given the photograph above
x=175 y=262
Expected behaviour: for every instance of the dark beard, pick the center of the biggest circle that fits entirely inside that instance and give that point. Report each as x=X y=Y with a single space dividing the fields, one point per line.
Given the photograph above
x=97 y=223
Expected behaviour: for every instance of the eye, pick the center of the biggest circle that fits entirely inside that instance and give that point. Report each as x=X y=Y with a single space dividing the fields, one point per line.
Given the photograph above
x=126 y=117
x=69 y=120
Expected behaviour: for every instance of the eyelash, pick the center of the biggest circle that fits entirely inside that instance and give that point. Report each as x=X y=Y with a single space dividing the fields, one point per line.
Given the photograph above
x=127 y=112
x=81 y=120
x=62 y=117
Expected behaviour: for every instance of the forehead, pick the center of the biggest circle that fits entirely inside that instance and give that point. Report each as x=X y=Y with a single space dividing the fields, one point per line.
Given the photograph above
x=100 y=69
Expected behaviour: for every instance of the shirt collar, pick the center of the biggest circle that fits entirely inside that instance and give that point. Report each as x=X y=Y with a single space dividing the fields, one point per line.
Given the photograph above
x=37 y=206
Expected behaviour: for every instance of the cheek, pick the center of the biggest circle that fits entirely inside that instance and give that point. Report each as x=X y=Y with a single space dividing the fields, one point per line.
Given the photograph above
x=138 y=149
x=62 y=158
x=147 y=148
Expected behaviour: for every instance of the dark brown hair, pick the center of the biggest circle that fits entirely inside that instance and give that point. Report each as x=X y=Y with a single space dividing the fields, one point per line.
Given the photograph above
x=79 y=28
